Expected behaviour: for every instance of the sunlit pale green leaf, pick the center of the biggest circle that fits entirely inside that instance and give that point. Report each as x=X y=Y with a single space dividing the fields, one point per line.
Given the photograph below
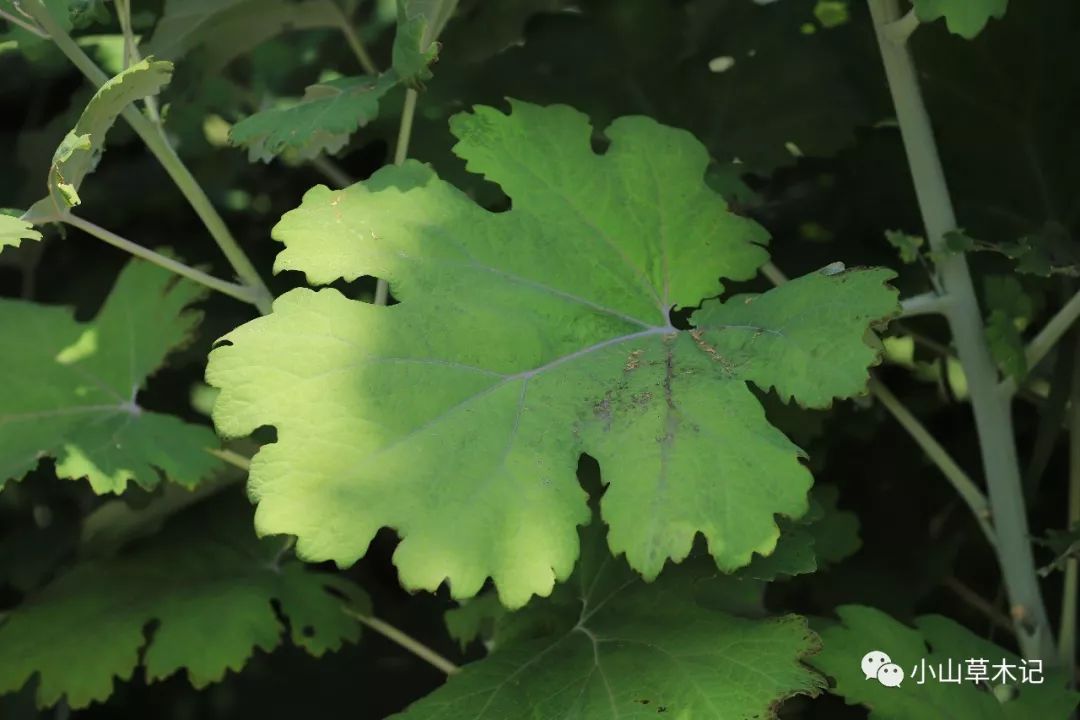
x=207 y=582
x=524 y=339
x=13 y=231
x=937 y=640
x=71 y=390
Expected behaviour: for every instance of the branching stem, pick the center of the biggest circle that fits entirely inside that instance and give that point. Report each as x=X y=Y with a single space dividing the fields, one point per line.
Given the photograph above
x=965 y=487
x=1052 y=332
x=168 y=158
x=240 y=292
x=992 y=408
x=25 y=25
x=355 y=44
x=926 y=304
x=899 y=31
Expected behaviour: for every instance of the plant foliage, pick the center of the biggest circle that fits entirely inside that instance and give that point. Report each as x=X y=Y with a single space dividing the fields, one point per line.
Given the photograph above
x=553 y=338
x=77 y=399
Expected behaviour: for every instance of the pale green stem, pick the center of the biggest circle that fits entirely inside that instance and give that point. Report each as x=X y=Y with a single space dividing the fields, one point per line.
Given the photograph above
x=1051 y=333
x=926 y=304
x=240 y=292
x=980 y=603
x=992 y=408
x=123 y=15
x=401 y=152
x=165 y=154
x=900 y=30
x=1067 y=628
x=331 y=171
x=355 y=44
x=231 y=457
x=29 y=27
x=773 y=274
x=965 y=487
x=131 y=55
x=408 y=642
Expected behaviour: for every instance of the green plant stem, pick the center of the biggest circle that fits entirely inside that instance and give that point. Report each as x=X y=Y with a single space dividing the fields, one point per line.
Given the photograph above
x=131 y=56
x=168 y=158
x=1067 y=629
x=926 y=304
x=123 y=16
x=240 y=292
x=331 y=171
x=1053 y=331
x=24 y=25
x=1049 y=336
x=964 y=485
x=231 y=457
x=773 y=274
x=978 y=602
x=992 y=408
x=902 y=28
x=355 y=44
x=401 y=152
x=408 y=642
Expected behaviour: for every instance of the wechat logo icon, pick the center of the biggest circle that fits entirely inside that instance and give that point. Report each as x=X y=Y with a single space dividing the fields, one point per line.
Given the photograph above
x=879 y=666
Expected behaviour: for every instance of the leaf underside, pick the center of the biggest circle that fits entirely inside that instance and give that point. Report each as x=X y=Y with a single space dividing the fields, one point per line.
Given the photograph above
x=71 y=388
x=524 y=339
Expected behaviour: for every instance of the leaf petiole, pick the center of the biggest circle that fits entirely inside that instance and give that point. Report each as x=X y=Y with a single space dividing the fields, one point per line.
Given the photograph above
x=170 y=161
x=401 y=152
x=25 y=25
x=406 y=641
x=240 y=292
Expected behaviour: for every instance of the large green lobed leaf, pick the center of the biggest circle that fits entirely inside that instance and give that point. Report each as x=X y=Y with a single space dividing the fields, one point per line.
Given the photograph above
x=524 y=339
x=207 y=582
x=70 y=389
